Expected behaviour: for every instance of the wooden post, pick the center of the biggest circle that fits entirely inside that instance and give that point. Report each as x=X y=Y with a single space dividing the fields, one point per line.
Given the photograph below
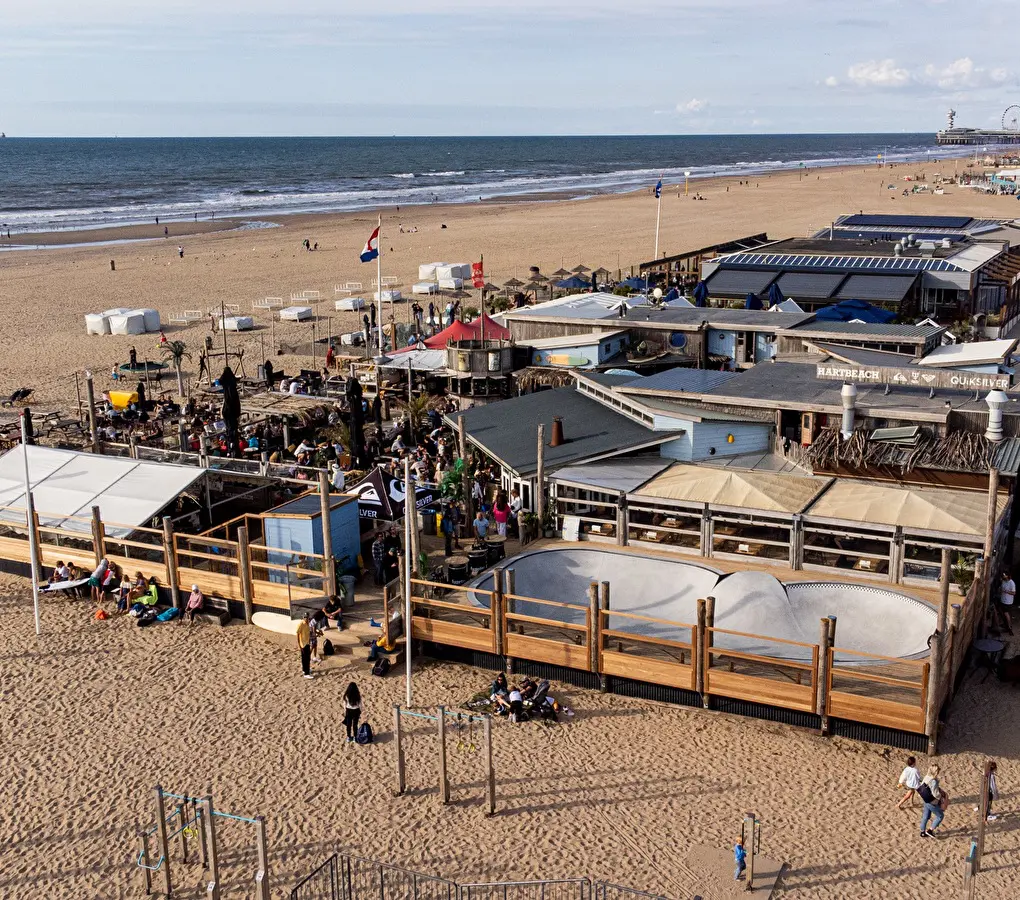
x=490 y=769
x=594 y=631
x=991 y=515
x=970 y=870
x=329 y=568
x=496 y=619
x=262 y=855
x=465 y=484
x=699 y=655
x=622 y=523
x=986 y=774
x=170 y=561
x=931 y=689
x=945 y=578
x=244 y=569
x=708 y=642
x=162 y=844
x=286 y=432
x=181 y=817
x=143 y=838
x=98 y=535
x=90 y=394
x=954 y=639
x=444 y=782
x=980 y=611
x=540 y=476
x=603 y=606
x=397 y=739
x=822 y=687
x=212 y=888
x=508 y=607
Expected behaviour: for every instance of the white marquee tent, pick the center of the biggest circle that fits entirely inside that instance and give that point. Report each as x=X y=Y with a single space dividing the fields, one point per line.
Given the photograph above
x=67 y=483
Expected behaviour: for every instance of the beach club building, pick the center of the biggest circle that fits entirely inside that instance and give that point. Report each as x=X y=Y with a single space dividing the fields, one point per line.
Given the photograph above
x=947 y=267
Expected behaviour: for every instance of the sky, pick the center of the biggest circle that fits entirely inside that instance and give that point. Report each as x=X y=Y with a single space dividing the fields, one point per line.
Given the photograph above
x=482 y=67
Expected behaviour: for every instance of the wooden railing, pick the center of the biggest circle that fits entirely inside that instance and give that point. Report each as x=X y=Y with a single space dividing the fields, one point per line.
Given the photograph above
x=627 y=653
x=881 y=690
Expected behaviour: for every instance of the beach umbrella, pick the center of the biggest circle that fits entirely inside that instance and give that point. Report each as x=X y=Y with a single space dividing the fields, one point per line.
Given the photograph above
x=580 y=269
x=751 y=301
x=575 y=282
x=561 y=273
x=775 y=294
x=489 y=287
x=674 y=294
x=601 y=272
x=513 y=283
x=635 y=284
x=700 y=294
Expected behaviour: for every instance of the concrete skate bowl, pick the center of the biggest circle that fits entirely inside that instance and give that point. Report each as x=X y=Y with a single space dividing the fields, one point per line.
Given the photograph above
x=869 y=619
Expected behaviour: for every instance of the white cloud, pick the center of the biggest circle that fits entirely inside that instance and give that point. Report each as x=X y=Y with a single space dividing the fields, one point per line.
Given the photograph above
x=831 y=81
x=876 y=73
x=962 y=73
x=692 y=107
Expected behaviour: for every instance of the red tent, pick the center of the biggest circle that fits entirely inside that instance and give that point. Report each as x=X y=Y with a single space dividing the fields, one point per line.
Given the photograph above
x=461 y=331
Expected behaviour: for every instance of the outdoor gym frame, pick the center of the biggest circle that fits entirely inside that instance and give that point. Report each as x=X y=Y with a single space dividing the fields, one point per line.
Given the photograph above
x=195 y=816
x=442 y=713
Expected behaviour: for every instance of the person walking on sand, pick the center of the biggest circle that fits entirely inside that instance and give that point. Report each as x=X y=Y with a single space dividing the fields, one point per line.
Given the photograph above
x=180 y=251
x=993 y=792
x=935 y=801
x=910 y=778
x=740 y=858
x=352 y=711
x=304 y=642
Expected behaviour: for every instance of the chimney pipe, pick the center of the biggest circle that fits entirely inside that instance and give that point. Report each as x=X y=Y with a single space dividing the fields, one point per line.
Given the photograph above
x=995 y=400
x=849 y=397
x=557 y=432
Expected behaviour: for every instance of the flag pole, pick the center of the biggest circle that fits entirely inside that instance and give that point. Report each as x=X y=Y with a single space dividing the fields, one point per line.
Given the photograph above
x=378 y=284
x=481 y=297
x=410 y=509
x=33 y=537
x=658 y=211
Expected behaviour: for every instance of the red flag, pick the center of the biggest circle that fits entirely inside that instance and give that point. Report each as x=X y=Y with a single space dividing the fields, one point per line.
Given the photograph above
x=477 y=275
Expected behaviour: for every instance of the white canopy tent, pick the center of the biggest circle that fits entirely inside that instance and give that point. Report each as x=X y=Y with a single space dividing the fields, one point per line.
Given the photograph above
x=67 y=483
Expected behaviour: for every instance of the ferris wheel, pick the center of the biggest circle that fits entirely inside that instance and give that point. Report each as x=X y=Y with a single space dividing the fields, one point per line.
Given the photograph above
x=1011 y=118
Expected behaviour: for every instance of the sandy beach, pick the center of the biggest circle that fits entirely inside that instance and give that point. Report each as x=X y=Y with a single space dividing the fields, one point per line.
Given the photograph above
x=96 y=713
x=46 y=293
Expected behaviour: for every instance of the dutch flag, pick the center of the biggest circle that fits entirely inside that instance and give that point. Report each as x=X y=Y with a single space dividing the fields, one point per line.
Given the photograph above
x=371 y=250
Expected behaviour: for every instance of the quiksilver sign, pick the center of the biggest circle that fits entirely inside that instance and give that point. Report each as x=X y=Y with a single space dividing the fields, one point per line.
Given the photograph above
x=915 y=376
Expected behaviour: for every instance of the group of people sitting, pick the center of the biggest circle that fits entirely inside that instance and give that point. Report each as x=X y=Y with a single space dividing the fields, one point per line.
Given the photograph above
x=525 y=701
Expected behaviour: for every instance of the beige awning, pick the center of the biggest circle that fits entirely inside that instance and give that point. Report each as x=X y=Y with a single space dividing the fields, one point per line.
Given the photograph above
x=768 y=492
x=930 y=509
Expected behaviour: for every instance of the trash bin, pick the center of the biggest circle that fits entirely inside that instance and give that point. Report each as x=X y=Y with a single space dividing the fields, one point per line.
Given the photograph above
x=347 y=582
x=429 y=522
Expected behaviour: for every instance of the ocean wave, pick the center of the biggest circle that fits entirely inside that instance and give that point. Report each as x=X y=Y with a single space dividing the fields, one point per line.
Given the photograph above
x=401 y=174
x=443 y=174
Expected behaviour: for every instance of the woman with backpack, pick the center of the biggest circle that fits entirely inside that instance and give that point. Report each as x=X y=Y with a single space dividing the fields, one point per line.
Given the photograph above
x=352 y=711
x=935 y=801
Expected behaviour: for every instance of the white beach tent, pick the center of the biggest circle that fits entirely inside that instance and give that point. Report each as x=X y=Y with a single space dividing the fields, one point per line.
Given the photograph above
x=68 y=483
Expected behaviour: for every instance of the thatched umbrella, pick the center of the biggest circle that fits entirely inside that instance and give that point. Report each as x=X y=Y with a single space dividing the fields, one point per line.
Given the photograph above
x=561 y=273
x=601 y=272
x=580 y=269
x=490 y=288
x=513 y=283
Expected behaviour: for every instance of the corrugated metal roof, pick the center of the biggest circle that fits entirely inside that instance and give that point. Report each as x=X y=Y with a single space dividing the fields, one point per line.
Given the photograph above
x=875 y=331
x=892 y=288
x=727 y=281
x=864 y=357
x=615 y=474
x=507 y=430
x=696 y=381
x=813 y=285
x=1007 y=456
x=897 y=221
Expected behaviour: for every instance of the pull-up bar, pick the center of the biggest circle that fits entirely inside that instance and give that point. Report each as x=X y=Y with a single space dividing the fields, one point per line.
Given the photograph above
x=198 y=813
x=442 y=713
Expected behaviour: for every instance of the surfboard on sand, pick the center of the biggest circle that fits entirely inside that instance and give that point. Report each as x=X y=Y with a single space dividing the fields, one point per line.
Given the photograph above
x=277 y=623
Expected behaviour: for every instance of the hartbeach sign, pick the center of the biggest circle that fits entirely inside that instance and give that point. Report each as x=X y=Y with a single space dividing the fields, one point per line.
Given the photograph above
x=913 y=376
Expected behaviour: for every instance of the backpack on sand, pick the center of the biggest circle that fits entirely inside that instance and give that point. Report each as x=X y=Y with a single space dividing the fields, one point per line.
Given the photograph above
x=381 y=667
x=364 y=735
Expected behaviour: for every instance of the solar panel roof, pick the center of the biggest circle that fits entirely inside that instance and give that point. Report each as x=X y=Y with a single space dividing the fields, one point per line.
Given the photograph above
x=909 y=221
x=859 y=263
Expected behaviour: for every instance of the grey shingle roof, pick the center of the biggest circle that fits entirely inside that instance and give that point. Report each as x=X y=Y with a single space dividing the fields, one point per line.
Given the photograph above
x=1007 y=456
x=680 y=379
x=876 y=287
x=865 y=357
x=738 y=283
x=809 y=285
x=508 y=430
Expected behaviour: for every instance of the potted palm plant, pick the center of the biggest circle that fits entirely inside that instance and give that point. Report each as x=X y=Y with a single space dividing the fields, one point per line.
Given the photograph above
x=174 y=353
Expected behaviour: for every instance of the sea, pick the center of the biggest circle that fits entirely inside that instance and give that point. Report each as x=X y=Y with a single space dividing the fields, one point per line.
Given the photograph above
x=50 y=184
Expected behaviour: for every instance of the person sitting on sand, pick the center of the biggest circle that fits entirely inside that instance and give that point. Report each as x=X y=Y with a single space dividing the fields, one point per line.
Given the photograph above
x=500 y=693
x=60 y=573
x=516 y=704
x=194 y=605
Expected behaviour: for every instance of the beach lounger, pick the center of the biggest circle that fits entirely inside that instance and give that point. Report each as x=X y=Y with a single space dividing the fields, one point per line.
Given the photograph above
x=296 y=313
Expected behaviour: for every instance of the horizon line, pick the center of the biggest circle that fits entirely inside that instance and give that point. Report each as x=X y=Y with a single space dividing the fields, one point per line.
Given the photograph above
x=218 y=137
